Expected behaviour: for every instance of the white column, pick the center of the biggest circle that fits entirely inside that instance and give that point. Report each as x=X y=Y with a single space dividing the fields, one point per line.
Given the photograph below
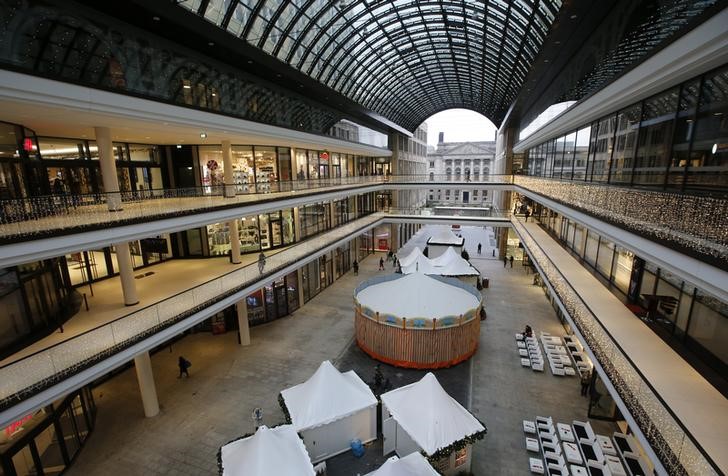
x=242 y=309
x=147 y=389
x=332 y=213
x=234 y=241
x=126 y=273
x=227 y=161
x=108 y=168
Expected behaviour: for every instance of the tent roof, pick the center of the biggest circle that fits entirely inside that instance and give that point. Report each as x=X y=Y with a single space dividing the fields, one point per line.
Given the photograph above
x=411 y=257
x=444 y=236
x=450 y=263
x=431 y=417
x=327 y=396
x=417 y=295
x=422 y=264
x=276 y=451
x=414 y=464
x=444 y=259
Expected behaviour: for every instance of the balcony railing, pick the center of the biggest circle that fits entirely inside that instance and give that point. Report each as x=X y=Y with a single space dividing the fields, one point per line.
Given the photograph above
x=672 y=442
x=37 y=217
x=31 y=374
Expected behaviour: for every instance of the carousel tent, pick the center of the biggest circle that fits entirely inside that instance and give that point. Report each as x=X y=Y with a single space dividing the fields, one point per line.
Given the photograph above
x=431 y=418
x=446 y=258
x=330 y=409
x=276 y=451
x=417 y=295
x=411 y=257
x=414 y=464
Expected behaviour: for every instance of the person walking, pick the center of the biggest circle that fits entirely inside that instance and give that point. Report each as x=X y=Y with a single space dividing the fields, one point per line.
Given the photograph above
x=381 y=264
x=585 y=382
x=480 y=248
x=390 y=255
x=511 y=260
x=528 y=214
x=184 y=366
x=505 y=261
x=355 y=265
x=261 y=262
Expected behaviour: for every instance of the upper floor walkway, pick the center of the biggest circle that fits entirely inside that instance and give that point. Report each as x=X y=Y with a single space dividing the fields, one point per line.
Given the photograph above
x=684 y=233
x=675 y=409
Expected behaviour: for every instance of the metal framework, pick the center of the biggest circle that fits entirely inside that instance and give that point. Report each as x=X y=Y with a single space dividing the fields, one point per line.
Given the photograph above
x=403 y=59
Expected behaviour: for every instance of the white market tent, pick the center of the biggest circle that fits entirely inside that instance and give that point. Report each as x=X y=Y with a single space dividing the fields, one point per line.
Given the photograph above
x=413 y=464
x=331 y=409
x=417 y=295
x=441 y=240
x=411 y=257
x=450 y=263
x=422 y=416
x=269 y=451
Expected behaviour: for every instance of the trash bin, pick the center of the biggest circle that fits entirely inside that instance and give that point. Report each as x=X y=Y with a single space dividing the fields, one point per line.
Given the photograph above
x=357 y=448
x=486 y=282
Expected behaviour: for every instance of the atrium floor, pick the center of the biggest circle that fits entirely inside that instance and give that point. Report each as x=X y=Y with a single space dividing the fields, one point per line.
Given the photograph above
x=227 y=381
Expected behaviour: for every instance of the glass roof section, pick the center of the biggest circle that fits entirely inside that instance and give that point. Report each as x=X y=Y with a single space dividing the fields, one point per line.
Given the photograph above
x=403 y=59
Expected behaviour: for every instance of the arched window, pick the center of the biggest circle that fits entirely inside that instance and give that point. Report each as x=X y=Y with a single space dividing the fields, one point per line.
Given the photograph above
x=432 y=176
x=448 y=172
x=457 y=173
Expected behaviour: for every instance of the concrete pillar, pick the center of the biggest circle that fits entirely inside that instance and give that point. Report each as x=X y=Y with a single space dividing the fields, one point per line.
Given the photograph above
x=126 y=273
x=243 y=328
x=234 y=242
x=108 y=168
x=332 y=213
x=394 y=238
x=299 y=274
x=147 y=389
x=297 y=223
x=227 y=161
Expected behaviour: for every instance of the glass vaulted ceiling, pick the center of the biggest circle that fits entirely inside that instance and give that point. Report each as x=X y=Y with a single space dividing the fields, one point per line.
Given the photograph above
x=404 y=59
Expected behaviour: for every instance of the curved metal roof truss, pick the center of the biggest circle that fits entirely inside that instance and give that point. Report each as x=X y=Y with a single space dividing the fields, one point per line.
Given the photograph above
x=403 y=59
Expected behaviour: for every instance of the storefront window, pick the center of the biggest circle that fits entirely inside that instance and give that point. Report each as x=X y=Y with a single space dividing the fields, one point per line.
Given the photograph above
x=315 y=219
x=144 y=153
x=653 y=148
x=266 y=167
x=313 y=165
x=249 y=236
x=604 y=260
x=628 y=122
x=302 y=161
x=284 y=164
x=256 y=308
x=603 y=153
x=292 y=291
x=212 y=167
x=622 y=269
x=324 y=167
x=708 y=168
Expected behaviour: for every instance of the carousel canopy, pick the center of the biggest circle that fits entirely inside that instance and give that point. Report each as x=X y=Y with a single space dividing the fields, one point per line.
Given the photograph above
x=421 y=265
x=431 y=417
x=327 y=396
x=447 y=257
x=276 y=451
x=413 y=464
x=444 y=236
x=417 y=295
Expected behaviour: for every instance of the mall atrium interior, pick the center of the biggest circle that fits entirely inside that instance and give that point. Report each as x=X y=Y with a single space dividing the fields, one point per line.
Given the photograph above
x=225 y=223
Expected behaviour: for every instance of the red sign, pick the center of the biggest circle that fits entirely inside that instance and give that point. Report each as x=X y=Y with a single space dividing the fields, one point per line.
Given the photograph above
x=13 y=427
x=324 y=155
x=28 y=144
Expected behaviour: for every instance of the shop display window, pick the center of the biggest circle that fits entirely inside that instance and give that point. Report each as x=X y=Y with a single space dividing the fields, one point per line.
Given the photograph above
x=243 y=167
x=313 y=165
x=302 y=163
x=256 y=307
x=292 y=291
x=284 y=164
x=212 y=168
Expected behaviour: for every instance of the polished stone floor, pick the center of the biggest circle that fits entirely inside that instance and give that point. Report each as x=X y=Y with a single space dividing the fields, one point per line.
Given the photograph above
x=227 y=381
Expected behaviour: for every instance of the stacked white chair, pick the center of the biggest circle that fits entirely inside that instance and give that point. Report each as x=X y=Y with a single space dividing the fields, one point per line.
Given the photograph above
x=556 y=354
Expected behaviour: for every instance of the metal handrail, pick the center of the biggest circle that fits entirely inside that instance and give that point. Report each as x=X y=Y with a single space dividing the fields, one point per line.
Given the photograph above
x=610 y=362
x=55 y=362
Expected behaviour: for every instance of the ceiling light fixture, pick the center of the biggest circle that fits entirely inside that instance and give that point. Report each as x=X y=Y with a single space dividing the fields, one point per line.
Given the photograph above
x=203 y=135
x=156 y=18
x=179 y=146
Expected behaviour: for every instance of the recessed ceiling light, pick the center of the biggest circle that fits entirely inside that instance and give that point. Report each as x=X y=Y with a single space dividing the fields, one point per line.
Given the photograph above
x=156 y=18
x=250 y=61
x=545 y=61
x=278 y=75
x=179 y=146
x=717 y=113
x=203 y=135
x=574 y=17
x=147 y=137
x=187 y=86
x=210 y=43
x=557 y=42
